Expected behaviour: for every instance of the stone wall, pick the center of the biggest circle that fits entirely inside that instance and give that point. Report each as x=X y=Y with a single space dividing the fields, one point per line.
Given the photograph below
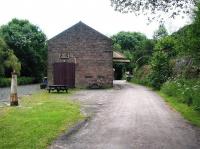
x=88 y=49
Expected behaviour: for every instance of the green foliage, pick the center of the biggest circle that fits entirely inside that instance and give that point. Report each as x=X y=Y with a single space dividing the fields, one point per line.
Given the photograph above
x=8 y=59
x=185 y=91
x=160 y=69
x=196 y=36
x=160 y=33
x=187 y=42
x=35 y=125
x=25 y=80
x=178 y=56
x=188 y=38
x=5 y=82
x=186 y=111
x=13 y=62
x=141 y=76
x=129 y=40
x=117 y=47
x=135 y=46
x=29 y=45
x=187 y=47
x=3 y=47
x=168 y=45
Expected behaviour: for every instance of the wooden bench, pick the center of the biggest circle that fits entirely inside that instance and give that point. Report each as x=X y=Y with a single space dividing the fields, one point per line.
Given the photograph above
x=58 y=88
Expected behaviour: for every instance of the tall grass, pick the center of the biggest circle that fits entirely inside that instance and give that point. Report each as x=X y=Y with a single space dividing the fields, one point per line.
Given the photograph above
x=185 y=91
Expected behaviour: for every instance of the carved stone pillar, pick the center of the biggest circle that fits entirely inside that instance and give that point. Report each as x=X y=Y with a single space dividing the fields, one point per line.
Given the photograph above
x=13 y=93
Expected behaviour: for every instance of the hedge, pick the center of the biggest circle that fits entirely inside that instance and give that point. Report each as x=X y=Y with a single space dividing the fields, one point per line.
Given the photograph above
x=4 y=82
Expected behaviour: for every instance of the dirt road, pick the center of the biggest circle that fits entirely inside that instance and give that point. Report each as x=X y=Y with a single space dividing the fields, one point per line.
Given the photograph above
x=129 y=117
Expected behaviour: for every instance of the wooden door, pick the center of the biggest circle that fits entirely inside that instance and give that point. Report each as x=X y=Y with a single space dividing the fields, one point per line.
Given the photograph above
x=64 y=74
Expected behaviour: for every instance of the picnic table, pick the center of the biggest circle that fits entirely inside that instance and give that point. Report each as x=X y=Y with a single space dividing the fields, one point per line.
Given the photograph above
x=58 y=88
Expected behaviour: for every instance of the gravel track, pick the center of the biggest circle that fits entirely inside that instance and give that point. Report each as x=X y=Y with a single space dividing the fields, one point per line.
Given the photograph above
x=129 y=117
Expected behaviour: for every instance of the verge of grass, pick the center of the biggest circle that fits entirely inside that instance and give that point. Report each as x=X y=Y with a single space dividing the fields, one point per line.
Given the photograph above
x=38 y=120
x=186 y=111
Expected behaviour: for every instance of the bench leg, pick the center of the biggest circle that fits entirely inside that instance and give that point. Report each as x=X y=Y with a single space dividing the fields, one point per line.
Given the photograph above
x=49 y=90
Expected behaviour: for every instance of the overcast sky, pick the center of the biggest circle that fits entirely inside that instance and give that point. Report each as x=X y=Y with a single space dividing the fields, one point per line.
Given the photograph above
x=54 y=16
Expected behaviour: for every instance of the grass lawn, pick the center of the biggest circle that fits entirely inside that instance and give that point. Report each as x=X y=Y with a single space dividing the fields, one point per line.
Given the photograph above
x=186 y=111
x=38 y=120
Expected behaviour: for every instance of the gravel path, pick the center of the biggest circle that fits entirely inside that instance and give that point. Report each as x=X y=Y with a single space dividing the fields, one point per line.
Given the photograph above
x=22 y=90
x=129 y=117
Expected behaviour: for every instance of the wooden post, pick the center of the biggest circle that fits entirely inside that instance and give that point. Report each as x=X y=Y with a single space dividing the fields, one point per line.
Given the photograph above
x=13 y=93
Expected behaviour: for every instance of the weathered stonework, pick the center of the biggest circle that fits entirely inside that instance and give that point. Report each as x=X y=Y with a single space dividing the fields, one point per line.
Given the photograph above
x=90 y=51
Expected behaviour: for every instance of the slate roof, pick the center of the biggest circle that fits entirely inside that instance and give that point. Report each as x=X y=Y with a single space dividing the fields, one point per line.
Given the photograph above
x=119 y=57
x=79 y=25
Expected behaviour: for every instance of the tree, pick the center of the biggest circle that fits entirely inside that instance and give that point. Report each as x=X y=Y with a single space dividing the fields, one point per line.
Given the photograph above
x=160 y=69
x=188 y=39
x=196 y=35
x=188 y=48
x=12 y=62
x=172 y=7
x=3 y=47
x=8 y=59
x=130 y=41
x=160 y=33
x=29 y=45
x=133 y=45
x=168 y=45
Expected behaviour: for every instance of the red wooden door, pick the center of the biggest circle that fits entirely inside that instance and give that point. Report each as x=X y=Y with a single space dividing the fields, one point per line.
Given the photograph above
x=64 y=74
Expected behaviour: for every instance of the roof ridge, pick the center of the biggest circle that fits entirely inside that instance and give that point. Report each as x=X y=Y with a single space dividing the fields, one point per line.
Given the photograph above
x=78 y=23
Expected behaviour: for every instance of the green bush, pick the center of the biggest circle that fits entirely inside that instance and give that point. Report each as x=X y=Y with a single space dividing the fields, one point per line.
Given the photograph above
x=160 y=69
x=186 y=91
x=25 y=80
x=141 y=81
x=141 y=76
x=4 y=82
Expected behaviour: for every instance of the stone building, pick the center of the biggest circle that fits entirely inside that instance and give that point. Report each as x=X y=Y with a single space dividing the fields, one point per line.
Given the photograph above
x=80 y=57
